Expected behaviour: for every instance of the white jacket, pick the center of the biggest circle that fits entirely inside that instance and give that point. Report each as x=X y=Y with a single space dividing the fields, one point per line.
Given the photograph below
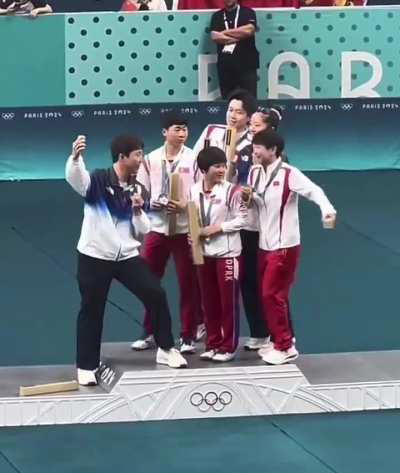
x=151 y=176
x=278 y=205
x=216 y=135
x=110 y=230
x=228 y=210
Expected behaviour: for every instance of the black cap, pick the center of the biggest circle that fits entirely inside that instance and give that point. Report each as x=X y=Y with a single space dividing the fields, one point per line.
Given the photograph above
x=209 y=157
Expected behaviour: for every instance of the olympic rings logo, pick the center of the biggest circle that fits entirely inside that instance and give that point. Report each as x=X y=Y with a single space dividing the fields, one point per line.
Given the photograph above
x=8 y=116
x=77 y=113
x=347 y=106
x=213 y=110
x=211 y=400
x=145 y=111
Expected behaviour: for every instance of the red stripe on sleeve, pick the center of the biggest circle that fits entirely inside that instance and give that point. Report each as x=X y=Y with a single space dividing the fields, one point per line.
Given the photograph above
x=285 y=197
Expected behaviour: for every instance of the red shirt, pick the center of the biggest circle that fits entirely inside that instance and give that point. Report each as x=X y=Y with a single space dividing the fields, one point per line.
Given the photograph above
x=128 y=6
x=219 y=4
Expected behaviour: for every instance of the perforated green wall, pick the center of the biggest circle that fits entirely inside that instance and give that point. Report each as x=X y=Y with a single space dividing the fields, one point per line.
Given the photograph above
x=140 y=57
x=321 y=37
x=154 y=57
x=32 y=68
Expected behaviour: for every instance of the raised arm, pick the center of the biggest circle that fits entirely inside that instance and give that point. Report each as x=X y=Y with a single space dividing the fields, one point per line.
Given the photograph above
x=304 y=186
x=76 y=173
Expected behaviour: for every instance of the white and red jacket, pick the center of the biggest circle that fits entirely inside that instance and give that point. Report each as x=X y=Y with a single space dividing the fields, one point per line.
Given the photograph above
x=155 y=174
x=223 y=206
x=278 y=204
x=216 y=136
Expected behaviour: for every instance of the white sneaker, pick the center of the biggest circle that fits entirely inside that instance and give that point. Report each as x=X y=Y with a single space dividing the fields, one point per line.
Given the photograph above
x=255 y=343
x=143 y=343
x=223 y=357
x=171 y=357
x=200 y=332
x=87 y=377
x=278 y=357
x=208 y=355
x=268 y=345
x=187 y=346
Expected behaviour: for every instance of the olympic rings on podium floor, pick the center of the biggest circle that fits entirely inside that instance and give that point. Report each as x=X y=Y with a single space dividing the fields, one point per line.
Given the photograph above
x=211 y=400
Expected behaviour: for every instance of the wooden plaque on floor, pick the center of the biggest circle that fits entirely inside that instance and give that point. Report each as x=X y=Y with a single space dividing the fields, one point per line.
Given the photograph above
x=48 y=388
x=194 y=230
x=174 y=194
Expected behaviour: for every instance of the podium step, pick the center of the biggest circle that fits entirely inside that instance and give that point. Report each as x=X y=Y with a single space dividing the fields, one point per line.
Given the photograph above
x=133 y=388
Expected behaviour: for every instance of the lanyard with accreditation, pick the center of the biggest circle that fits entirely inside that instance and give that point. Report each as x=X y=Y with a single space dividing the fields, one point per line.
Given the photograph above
x=165 y=177
x=229 y=48
x=272 y=177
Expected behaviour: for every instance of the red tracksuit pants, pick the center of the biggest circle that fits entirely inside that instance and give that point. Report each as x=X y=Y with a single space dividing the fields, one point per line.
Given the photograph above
x=219 y=286
x=156 y=251
x=277 y=271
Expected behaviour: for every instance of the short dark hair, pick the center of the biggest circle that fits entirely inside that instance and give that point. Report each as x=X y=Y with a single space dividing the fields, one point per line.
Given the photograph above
x=173 y=118
x=269 y=139
x=248 y=101
x=210 y=156
x=124 y=144
x=271 y=116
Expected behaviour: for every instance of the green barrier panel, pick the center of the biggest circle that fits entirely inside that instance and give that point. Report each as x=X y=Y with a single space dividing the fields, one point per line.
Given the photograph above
x=155 y=57
x=32 y=61
x=135 y=58
x=159 y=57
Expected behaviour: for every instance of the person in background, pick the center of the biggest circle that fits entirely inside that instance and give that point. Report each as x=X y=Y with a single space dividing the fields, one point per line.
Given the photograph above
x=130 y=6
x=32 y=8
x=265 y=118
x=241 y=106
x=233 y=29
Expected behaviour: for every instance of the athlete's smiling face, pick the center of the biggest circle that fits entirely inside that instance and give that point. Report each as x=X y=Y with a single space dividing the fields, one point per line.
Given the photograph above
x=236 y=115
x=264 y=155
x=216 y=173
x=257 y=123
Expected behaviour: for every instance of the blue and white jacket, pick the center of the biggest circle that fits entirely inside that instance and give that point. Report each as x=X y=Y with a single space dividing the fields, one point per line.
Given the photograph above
x=110 y=229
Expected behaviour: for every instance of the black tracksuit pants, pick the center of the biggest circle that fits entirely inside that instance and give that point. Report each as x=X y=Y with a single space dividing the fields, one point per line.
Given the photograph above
x=249 y=285
x=94 y=278
x=232 y=79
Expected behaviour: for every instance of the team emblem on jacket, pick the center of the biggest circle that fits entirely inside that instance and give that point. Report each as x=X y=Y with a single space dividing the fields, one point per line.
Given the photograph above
x=276 y=183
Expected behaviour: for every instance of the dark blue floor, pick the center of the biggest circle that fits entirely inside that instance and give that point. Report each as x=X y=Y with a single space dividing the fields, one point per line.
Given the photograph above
x=319 y=443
